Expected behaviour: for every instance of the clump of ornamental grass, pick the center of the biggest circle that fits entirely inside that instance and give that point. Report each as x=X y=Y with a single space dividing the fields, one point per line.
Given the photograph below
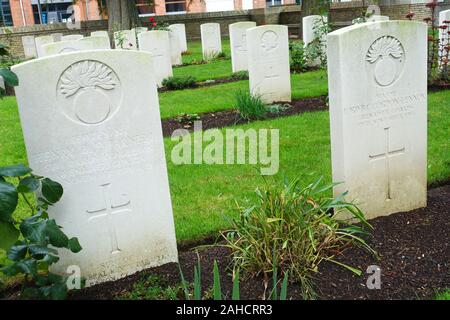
x=301 y=225
x=249 y=107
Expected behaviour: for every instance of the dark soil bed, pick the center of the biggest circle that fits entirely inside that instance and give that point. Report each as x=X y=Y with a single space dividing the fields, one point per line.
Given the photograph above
x=230 y=117
x=415 y=262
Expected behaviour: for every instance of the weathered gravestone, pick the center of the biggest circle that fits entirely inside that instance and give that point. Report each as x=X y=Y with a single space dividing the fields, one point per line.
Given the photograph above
x=40 y=41
x=180 y=30
x=71 y=37
x=311 y=29
x=125 y=39
x=268 y=63
x=138 y=31
x=211 y=40
x=376 y=18
x=100 y=34
x=378 y=109
x=158 y=44
x=444 y=34
x=238 y=44
x=175 y=51
x=29 y=46
x=84 y=44
x=94 y=126
x=57 y=36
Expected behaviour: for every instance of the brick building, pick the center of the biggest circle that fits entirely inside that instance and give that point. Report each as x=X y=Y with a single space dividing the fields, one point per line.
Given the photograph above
x=31 y=12
x=163 y=7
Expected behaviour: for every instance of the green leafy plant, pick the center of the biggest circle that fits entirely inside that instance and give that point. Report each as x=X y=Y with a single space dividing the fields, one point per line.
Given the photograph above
x=297 y=56
x=302 y=225
x=239 y=75
x=152 y=288
x=179 y=83
x=6 y=62
x=316 y=50
x=31 y=242
x=249 y=106
x=187 y=118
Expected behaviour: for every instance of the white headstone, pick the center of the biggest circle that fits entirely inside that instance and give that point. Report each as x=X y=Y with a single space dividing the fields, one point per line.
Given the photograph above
x=137 y=31
x=175 y=51
x=211 y=40
x=84 y=44
x=57 y=36
x=238 y=44
x=29 y=47
x=376 y=18
x=100 y=34
x=98 y=113
x=377 y=75
x=444 y=36
x=158 y=44
x=40 y=41
x=125 y=39
x=268 y=62
x=180 y=30
x=311 y=32
x=72 y=37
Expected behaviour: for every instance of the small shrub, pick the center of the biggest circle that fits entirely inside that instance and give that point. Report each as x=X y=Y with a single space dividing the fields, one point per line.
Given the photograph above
x=239 y=75
x=297 y=56
x=249 y=106
x=298 y=224
x=179 y=83
x=188 y=118
x=31 y=242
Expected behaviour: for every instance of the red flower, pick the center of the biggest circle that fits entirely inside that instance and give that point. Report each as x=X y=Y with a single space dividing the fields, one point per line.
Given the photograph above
x=446 y=22
x=410 y=15
x=151 y=19
x=433 y=4
x=155 y=24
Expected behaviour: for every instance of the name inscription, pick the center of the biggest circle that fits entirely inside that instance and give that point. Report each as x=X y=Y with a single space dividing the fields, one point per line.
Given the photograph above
x=86 y=157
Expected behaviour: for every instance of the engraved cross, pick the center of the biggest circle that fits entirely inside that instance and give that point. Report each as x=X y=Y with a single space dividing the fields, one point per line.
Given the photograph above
x=386 y=155
x=108 y=211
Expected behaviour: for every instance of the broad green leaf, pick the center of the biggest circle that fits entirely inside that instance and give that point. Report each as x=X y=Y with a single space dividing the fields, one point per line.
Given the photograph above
x=39 y=252
x=28 y=184
x=28 y=266
x=51 y=190
x=8 y=235
x=59 y=291
x=8 y=200
x=18 y=252
x=10 y=77
x=74 y=245
x=17 y=170
x=283 y=293
x=34 y=229
x=55 y=235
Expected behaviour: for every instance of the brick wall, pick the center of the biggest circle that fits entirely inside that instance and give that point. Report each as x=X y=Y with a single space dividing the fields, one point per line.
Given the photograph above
x=341 y=14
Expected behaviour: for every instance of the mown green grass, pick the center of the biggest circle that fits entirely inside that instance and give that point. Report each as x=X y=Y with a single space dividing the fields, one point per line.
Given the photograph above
x=195 y=50
x=221 y=97
x=445 y=295
x=203 y=194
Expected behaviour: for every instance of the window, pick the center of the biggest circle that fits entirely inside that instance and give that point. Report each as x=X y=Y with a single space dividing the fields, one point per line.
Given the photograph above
x=271 y=3
x=5 y=11
x=51 y=12
x=144 y=9
x=175 y=6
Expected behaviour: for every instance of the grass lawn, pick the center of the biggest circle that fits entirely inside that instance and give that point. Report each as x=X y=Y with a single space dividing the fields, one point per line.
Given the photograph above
x=203 y=194
x=220 y=97
x=195 y=50
x=443 y=295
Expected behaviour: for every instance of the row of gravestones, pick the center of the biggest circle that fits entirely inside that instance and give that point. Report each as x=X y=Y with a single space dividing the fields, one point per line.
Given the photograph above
x=94 y=125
